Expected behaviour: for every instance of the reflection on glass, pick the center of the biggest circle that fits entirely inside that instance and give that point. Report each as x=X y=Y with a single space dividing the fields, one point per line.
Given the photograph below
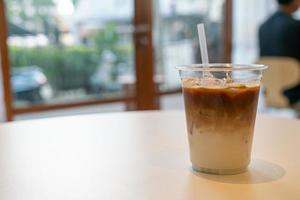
x=176 y=39
x=69 y=50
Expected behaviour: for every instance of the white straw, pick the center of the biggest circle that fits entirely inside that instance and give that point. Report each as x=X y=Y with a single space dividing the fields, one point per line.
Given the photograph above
x=202 y=42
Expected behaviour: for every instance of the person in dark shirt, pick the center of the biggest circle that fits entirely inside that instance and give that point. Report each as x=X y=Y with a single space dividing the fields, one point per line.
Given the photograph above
x=279 y=35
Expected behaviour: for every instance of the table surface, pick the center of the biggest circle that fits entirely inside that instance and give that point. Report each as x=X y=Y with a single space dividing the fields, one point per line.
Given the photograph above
x=137 y=156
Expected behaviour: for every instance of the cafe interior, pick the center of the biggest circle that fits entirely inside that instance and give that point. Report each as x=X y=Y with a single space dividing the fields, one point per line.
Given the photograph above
x=81 y=66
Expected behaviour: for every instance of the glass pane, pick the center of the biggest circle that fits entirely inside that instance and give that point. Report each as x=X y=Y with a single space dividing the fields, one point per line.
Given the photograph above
x=69 y=50
x=176 y=38
x=247 y=16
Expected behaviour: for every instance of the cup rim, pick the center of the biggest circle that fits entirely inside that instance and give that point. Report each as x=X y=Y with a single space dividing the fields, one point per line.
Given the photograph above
x=216 y=67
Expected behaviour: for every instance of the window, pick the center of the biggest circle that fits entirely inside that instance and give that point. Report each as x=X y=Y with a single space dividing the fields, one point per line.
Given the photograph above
x=66 y=53
x=176 y=37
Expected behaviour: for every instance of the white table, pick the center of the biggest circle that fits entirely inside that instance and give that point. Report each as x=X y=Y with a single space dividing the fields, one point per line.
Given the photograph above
x=137 y=156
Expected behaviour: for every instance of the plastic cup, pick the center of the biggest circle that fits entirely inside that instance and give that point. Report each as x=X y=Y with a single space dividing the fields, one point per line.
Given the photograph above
x=220 y=106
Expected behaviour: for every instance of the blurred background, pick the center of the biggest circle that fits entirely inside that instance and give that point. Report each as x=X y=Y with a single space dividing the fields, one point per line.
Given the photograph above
x=87 y=56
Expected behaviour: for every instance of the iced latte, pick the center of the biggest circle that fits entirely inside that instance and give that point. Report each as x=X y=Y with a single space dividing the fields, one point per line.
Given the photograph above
x=220 y=115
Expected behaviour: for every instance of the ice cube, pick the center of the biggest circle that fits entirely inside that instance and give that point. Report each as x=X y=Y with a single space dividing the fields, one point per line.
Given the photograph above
x=213 y=82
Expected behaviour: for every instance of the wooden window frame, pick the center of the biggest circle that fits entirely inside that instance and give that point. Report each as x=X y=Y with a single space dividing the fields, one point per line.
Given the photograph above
x=146 y=96
x=227 y=31
x=5 y=65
